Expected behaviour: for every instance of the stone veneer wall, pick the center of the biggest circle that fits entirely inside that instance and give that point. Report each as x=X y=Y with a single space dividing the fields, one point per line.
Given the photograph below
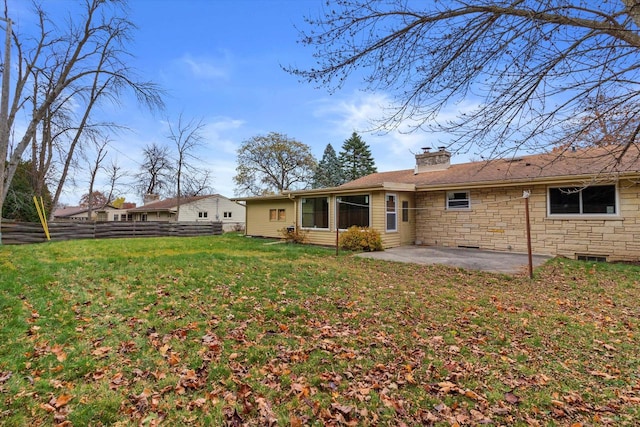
x=496 y=221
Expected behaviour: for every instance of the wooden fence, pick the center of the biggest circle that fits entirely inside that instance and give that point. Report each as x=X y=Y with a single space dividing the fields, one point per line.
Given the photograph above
x=16 y=233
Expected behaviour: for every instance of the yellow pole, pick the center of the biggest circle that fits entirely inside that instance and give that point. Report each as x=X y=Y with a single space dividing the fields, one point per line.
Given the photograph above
x=46 y=223
x=41 y=216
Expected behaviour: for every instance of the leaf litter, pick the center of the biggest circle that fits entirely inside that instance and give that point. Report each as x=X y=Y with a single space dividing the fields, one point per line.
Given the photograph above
x=371 y=344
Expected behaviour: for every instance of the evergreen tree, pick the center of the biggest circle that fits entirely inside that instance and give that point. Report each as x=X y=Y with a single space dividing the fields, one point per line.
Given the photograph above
x=355 y=158
x=329 y=171
x=19 y=205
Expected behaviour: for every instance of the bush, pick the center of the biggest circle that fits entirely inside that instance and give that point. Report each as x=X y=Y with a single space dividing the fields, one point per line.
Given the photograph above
x=360 y=239
x=293 y=235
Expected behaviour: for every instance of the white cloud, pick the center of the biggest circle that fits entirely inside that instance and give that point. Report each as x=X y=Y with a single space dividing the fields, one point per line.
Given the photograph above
x=207 y=68
x=218 y=135
x=364 y=113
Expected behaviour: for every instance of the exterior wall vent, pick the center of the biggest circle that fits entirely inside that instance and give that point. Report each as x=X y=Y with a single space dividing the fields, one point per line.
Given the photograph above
x=591 y=257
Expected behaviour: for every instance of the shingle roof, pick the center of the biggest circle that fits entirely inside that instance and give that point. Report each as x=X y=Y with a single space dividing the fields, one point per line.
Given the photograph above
x=168 y=204
x=593 y=162
x=69 y=211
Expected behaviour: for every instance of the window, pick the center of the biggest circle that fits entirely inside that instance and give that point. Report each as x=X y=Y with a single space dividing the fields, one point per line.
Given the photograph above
x=353 y=210
x=405 y=211
x=315 y=212
x=227 y=214
x=392 y=215
x=276 y=214
x=143 y=217
x=597 y=199
x=204 y=214
x=591 y=258
x=458 y=200
x=116 y=217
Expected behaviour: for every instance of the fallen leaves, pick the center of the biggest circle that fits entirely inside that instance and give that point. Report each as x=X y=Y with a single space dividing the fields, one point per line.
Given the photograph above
x=320 y=341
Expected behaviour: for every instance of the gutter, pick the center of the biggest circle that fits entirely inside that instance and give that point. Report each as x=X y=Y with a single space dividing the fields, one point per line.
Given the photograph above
x=563 y=179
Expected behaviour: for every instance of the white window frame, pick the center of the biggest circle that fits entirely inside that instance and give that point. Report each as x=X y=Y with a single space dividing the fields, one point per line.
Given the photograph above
x=581 y=214
x=394 y=213
x=458 y=208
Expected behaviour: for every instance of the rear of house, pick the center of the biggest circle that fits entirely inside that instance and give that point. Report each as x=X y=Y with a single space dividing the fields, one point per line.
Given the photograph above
x=318 y=214
x=582 y=204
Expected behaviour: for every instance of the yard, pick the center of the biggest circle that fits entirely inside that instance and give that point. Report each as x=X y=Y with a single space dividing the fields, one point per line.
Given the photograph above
x=237 y=331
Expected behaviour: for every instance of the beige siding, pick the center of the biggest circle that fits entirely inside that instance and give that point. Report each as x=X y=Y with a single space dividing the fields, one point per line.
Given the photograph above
x=496 y=221
x=320 y=237
x=405 y=231
x=325 y=237
x=259 y=224
x=377 y=216
x=258 y=221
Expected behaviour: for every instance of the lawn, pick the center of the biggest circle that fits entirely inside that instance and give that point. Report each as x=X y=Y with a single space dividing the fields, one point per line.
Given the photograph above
x=228 y=330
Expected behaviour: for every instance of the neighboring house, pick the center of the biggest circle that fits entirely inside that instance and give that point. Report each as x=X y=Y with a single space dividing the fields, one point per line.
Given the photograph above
x=77 y=213
x=73 y=213
x=111 y=213
x=192 y=209
x=582 y=204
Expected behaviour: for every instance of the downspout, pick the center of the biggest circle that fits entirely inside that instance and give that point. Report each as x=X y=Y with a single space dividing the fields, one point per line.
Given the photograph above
x=295 y=210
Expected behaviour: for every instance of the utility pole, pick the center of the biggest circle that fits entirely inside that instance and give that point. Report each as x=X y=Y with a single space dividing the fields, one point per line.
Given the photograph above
x=4 y=115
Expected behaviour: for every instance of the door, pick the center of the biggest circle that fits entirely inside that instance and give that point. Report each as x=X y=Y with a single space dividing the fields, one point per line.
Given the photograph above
x=407 y=220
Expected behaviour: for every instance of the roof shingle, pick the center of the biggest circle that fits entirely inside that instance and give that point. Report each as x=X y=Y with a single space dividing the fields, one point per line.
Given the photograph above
x=593 y=162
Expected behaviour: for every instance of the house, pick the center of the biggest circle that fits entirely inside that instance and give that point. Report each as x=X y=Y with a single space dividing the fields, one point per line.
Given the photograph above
x=583 y=204
x=192 y=209
x=80 y=213
x=111 y=213
x=73 y=214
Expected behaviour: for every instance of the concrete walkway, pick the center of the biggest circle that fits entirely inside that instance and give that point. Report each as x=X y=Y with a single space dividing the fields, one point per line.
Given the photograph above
x=470 y=259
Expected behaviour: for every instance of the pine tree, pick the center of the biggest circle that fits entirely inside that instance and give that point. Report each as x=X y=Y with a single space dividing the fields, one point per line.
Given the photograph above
x=355 y=158
x=329 y=171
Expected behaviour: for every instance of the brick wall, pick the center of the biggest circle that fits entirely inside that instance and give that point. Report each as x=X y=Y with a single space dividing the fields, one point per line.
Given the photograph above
x=496 y=221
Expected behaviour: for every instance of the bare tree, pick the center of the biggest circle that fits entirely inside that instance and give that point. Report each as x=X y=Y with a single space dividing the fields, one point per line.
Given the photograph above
x=197 y=184
x=186 y=137
x=156 y=174
x=603 y=123
x=95 y=199
x=526 y=65
x=115 y=173
x=94 y=167
x=82 y=64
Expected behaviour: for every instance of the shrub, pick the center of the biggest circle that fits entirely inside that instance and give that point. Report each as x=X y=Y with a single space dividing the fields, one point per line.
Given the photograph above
x=294 y=235
x=360 y=239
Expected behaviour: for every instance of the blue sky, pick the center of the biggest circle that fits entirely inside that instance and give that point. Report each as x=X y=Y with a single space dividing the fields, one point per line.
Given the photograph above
x=220 y=61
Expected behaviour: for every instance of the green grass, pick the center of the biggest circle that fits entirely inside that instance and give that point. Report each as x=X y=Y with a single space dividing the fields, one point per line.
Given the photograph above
x=227 y=329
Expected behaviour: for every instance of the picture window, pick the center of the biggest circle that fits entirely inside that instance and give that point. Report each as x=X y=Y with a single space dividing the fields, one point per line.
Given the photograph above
x=596 y=199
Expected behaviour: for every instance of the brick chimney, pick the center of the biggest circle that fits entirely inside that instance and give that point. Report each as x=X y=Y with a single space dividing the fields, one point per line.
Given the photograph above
x=429 y=161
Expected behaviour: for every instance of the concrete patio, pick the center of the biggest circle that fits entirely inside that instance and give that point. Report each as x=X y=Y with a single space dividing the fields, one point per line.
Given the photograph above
x=471 y=259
